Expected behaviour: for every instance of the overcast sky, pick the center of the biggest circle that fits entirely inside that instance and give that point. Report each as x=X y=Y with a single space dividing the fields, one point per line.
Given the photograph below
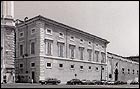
x=115 y=21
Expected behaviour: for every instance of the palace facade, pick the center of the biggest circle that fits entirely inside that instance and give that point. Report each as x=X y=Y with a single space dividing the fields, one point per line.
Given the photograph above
x=46 y=48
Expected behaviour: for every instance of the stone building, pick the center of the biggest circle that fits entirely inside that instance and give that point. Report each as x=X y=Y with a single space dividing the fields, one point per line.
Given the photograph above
x=46 y=48
x=7 y=41
x=121 y=68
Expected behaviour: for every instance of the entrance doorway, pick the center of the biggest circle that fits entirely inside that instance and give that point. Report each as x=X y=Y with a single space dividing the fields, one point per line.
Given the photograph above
x=116 y=74
x=33 y=76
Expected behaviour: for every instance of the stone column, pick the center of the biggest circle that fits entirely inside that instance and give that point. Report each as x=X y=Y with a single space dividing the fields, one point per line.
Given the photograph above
x=7 y=9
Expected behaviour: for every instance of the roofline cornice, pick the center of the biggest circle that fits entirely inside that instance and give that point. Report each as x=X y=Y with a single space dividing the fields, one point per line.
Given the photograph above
x=39 y=17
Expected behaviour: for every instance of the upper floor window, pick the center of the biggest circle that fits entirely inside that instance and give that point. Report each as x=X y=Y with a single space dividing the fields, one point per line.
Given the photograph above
x=103 y=57
x=97 y=56
x=89 y=43
x=61 y=49
x=72 y=38
x=21 y=34
x=32 y=30
x=32 y=47
x=81 y=68
x=89 y=67
x=81 y=41
x=123 y=70
x=21 y=50
x=72 y=51
x=128 y=71
x=103 y=46
x=21 y=65
x=48 y=47
x=61 y=35
x=133 y=71
x=81 y=53
x=48 y=31
x=89 y=54
x=137 y=72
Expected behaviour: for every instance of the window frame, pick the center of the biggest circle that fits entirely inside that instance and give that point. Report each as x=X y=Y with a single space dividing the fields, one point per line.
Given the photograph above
x=32 y=31
x=22 y=35
x=48 y=67
x=46 y=31
x=20 y=50
x=32 y=66
x=32 y=52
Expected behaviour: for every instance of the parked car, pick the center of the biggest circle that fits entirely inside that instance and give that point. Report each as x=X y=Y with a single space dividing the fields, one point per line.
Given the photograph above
x=119 y=83
x=97 y=82
x=42 y=82
x=74 y=82
x=50 y=81
x=94 y=82
x=134 y=83
x=103 y=82
x=86 y=82
x=110 y=82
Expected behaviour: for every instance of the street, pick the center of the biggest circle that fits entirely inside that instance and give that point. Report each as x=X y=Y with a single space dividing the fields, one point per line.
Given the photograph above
x=28 y=85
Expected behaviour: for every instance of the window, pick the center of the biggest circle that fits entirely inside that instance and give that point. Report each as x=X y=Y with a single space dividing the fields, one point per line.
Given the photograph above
x=81 y=40
x=137 y=72
x=61 y=49
x=32 y=64
x=102 y=68
x=110 y=75
x=72 y=66
x=72 y=38
x=81 y=67
x=128 y=71
x=103 y=57
x=21 y=50
x=21 y=65
x=33 y=31
x=133 y=71
x=89 y=43
x=72 y=51
x=97 y=56
x=48 y=47
x=21 y=34
x=48 y=65
x=48 y=31
x=123 y=70
x=89 y=67
x=96 y=68
x=32 y=47
x=89 y=54
x=61 y=35
x=103 y=46
x=81 y=53
x=96 y=44
x=60 y=65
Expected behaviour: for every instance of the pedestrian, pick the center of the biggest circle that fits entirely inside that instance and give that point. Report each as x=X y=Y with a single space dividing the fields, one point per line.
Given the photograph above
x=32 y=81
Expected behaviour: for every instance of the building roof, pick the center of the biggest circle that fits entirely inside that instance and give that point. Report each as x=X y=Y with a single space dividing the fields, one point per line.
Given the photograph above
x=39 y=17
x=131 y=58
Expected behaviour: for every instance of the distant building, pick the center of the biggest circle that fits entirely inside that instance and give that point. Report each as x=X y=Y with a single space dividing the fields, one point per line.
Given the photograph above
x=122 y=69
x=133 y=58
x=7 y=41
x=46 y=48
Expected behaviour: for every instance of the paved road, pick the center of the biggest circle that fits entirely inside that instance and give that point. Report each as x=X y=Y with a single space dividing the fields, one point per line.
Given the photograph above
x=27 y=85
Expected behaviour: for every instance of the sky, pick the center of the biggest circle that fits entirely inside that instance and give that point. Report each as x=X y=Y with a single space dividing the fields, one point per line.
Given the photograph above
x=115 y=21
